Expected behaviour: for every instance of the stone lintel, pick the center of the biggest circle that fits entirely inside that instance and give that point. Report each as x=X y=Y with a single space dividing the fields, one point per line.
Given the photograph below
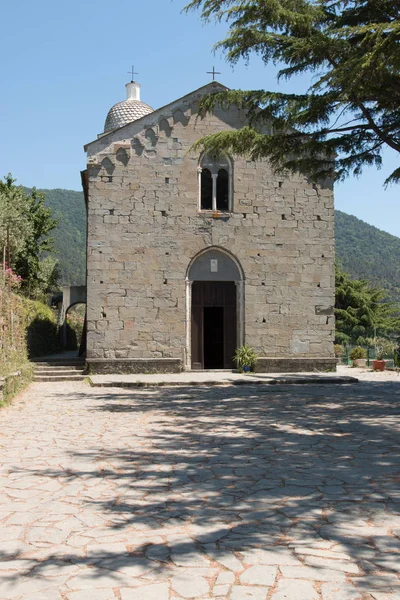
x=294 y=365
x=109 y=366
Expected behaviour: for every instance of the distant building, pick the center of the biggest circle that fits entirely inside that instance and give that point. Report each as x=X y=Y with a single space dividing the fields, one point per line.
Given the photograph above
x=191 y=256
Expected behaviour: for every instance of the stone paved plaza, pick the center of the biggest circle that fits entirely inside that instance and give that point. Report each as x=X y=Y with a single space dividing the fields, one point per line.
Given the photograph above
x=243 y=493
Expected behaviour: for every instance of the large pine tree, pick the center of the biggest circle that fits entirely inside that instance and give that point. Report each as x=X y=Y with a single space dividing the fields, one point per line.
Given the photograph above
x=350 y=113
x=361 y=311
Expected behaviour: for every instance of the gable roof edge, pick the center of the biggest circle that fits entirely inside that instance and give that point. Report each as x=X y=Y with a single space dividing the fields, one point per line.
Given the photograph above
x=215 y=84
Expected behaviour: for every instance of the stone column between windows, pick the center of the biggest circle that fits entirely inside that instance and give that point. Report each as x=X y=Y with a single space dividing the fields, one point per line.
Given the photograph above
x=214 y=191
x=199 y=170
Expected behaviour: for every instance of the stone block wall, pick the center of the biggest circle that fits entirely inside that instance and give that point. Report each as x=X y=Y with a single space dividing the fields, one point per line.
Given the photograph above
x=145 y=228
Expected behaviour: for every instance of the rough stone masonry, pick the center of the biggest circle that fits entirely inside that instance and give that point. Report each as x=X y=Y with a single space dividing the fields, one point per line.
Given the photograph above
x=146 y=227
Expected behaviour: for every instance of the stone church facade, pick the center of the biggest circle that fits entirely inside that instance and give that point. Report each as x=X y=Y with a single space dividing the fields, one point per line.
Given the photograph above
x=190 y=255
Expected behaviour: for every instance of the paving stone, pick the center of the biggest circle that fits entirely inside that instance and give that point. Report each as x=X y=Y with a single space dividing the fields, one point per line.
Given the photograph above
x=94 y=594
x=340 y=591
x=312 y=573
x=328 y=563
x=323 y=553
x=159 y=553
x=247 y=592
x=102 y=578
x=189 y=586
x=385 y=595
x=190 y=559
x=270 y=556
x=225 y=577
x=259 y=575
x=158 y=591
x=228 y=560
x=51 y=594
x=220 y=590
x=293 y=589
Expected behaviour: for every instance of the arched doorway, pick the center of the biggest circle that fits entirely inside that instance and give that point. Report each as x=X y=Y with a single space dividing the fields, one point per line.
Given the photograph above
x=73 y=296
x=74 y=327
x=214 y=309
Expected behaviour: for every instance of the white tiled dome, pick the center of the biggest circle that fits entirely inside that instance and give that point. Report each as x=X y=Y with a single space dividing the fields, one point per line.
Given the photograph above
x=128 y=110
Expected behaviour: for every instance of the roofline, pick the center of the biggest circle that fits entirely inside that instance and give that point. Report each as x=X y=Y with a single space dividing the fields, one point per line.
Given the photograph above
x=162 y=108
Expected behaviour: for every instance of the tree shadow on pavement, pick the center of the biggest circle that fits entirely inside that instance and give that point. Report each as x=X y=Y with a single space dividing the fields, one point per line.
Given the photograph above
x=205 y=473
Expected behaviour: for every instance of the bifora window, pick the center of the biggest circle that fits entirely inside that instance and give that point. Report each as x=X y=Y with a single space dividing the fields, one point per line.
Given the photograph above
x=215 y=183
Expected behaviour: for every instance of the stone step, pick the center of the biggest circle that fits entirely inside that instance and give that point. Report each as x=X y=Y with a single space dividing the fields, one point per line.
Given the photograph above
x=55 y=369
x=58 y=372
x=59 y=362
x=55 y=378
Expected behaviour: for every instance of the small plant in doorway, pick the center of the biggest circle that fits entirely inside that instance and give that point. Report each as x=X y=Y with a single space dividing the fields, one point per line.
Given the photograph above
x=245 y=359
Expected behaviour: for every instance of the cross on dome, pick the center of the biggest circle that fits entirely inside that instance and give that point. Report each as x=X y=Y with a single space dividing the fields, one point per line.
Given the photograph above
x=132 y=73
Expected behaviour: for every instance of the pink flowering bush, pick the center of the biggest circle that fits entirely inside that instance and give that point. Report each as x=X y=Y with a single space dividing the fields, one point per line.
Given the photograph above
x=11 y=279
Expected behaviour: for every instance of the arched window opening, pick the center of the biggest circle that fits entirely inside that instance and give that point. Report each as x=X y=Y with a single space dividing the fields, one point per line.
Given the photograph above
x=223 y=190
x=215 y=183
x=206 y=190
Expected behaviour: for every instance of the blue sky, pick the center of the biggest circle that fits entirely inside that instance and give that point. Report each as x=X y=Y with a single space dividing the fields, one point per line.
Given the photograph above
x=63 y=65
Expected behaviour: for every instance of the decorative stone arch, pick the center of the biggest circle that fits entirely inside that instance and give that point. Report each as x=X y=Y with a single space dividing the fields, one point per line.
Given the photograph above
x=214 y=264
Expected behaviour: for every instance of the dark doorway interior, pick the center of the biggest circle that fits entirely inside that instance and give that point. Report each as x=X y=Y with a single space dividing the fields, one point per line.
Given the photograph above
x=213 y=324
x=213 y=337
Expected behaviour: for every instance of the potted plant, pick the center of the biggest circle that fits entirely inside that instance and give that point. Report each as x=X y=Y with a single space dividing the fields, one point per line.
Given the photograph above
x=383 y=348
x=378 y=364
x=245 y=359
x=359 y=357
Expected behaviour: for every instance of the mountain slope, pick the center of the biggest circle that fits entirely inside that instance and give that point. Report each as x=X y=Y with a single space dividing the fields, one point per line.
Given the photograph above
x=368 y=253
x=70 y=236
x=364 y=251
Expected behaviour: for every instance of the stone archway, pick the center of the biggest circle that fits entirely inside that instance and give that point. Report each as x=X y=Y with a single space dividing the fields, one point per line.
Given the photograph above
x=214 y=309
x=72 y=295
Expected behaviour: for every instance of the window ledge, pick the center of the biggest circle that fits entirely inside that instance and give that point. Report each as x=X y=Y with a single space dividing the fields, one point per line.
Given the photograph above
x=215 y=214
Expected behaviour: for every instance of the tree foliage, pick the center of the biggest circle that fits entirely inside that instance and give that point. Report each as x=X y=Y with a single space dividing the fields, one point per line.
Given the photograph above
x=25 y=225
x=68 y=207
x=361 y=311
x=351 y=111
x=15 y=225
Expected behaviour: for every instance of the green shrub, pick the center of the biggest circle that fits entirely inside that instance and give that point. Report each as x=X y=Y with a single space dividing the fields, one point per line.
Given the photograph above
x=339 y=350
x=16 y=381
x=42 y=331
x=245 y=357
x=12 y=330
x=384 y=348
x=358 y=352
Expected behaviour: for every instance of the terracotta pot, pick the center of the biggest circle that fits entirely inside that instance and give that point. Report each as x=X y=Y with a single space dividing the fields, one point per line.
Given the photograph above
x=378 y=365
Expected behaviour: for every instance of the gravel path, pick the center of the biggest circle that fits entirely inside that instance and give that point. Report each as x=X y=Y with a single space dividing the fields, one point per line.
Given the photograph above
x=243 y=493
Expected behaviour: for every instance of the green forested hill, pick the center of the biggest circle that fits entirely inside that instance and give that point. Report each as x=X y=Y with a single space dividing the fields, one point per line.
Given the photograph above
x=364 y=251
x=368 y=253
x=70 y=236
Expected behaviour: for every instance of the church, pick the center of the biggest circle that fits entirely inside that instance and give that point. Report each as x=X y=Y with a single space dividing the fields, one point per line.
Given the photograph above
x=191 y=255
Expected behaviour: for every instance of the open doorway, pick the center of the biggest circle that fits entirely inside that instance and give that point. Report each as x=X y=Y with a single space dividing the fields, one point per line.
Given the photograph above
x=74 y=327
x=213 y=324
x=213 y=337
